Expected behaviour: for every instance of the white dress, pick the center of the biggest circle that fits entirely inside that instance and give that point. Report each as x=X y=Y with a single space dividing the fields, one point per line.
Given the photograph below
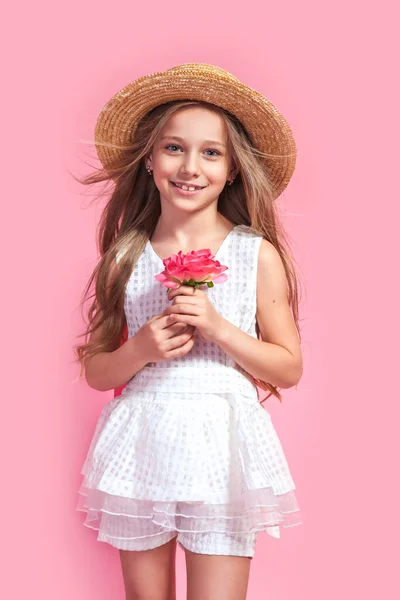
x=187 y=446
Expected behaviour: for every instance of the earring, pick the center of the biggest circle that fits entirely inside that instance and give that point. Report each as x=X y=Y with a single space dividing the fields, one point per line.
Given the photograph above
x=149 y=170
x=232 y=180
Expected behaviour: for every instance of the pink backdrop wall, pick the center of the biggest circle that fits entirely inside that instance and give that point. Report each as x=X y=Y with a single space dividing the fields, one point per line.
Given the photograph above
x=330 y=69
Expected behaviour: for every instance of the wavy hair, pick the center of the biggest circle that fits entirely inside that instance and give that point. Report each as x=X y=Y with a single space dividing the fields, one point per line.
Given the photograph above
x=133 y=209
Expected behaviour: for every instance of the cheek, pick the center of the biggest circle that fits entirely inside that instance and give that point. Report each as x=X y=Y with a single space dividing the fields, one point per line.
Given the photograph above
x=216 y=173
x=163 y=165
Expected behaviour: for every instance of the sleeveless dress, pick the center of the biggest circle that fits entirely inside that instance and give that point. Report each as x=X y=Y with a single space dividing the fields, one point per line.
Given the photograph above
x=187 y=446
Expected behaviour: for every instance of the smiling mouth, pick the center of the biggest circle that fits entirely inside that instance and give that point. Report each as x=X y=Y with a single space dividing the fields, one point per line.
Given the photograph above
x=187 y=188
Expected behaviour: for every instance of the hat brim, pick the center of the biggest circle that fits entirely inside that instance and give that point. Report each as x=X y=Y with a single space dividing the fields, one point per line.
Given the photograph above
x=268 y=129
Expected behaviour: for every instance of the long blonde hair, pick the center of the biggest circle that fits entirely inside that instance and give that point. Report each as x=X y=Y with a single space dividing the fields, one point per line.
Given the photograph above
x=133 y=209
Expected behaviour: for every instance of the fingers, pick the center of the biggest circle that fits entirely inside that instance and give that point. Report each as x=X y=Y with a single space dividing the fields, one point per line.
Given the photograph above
x=184 y=308
x=183 y=290
x=179 y=345
x=173 y=328
x=179 y=328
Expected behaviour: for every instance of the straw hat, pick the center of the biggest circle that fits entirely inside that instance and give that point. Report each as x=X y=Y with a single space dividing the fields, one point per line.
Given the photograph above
x=266 y=126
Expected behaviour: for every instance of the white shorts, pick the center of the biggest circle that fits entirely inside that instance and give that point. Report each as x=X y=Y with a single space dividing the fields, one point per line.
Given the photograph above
x=231 y=544
x=127 y=533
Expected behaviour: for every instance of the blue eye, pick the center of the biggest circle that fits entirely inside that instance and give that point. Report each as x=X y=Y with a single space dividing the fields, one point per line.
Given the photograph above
x=216 y=153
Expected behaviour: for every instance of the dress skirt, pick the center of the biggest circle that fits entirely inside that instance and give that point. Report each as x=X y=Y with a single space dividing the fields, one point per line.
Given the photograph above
x=186 y=460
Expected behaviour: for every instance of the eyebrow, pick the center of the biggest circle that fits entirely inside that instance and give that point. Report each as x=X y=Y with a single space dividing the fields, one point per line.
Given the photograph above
x=176 y=137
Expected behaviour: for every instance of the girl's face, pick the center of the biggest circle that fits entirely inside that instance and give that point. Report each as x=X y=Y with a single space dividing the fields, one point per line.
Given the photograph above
x=191 y=150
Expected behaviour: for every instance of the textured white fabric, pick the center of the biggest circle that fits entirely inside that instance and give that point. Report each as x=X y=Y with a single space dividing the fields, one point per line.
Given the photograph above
x=209 y=542
x=187 y=446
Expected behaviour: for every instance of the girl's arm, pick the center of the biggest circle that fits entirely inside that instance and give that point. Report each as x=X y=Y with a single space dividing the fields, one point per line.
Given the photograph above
x=109 y=370
x=277 y=358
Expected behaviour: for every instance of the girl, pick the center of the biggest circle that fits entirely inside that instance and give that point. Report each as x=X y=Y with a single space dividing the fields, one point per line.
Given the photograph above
x=186 y=453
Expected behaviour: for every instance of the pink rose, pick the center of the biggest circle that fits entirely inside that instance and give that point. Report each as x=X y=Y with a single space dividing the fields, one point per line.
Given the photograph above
x=194 y=268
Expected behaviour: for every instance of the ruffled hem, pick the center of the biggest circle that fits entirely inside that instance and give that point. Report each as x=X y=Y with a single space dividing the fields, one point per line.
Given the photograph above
x=162 y=462
x=258 y=510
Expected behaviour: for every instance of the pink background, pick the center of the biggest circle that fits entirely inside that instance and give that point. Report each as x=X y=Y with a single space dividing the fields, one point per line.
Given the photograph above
x=331 y=70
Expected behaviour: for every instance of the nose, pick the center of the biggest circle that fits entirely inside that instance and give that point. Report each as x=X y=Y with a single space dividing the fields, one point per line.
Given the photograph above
x=190 y=164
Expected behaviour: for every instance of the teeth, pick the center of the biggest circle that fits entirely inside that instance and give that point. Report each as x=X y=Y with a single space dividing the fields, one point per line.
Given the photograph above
x=187 y=189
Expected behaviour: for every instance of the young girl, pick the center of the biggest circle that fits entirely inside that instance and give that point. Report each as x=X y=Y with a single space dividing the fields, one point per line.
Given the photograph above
x=186 y=453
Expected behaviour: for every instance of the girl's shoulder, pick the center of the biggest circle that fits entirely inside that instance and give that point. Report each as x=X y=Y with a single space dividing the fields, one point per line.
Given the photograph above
x=250 y=230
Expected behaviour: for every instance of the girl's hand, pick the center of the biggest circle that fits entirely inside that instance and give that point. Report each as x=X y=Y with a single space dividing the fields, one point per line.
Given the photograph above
x=158 y=339
x=191 y=306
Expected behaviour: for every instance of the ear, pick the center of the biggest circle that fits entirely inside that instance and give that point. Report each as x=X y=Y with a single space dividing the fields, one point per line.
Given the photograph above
x=233 y=171
x=148 y=161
